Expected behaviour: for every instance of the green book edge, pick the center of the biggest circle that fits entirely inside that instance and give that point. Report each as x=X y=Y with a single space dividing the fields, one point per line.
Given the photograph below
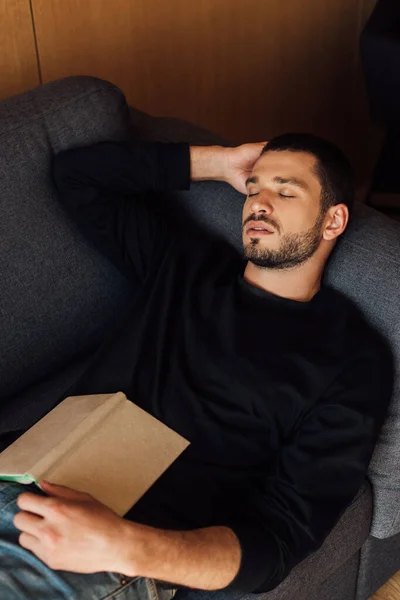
x=18 y=478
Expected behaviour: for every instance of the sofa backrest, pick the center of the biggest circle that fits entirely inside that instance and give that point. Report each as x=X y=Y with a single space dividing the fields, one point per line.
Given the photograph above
x=366 y=267
x=58 y=296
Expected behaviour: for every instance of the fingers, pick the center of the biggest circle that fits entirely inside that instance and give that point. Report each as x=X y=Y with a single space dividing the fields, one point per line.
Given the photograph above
x=241 y=187
x=30 y=542
x=34 y=503
x=62 y=491
x=27 y=522
x=256 y=145
x=259 y=146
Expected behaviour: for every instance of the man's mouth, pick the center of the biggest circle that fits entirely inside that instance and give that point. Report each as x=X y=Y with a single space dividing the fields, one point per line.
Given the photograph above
x=259 y=228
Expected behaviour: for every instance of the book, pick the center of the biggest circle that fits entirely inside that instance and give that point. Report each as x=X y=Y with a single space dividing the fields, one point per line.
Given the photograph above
x=102 y=444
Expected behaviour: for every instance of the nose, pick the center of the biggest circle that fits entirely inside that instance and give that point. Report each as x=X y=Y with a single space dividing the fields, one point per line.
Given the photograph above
x=261 y=204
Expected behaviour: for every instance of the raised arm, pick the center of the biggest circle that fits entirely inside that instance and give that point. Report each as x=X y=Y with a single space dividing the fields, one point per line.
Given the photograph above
x=232 y=165
x=104 y=187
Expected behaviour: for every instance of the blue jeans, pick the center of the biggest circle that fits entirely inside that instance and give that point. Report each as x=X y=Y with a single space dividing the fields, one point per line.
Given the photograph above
x=23 y=576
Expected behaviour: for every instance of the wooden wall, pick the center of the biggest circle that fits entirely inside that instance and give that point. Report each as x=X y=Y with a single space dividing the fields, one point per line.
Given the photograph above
x=18 y=60
x=248 y=69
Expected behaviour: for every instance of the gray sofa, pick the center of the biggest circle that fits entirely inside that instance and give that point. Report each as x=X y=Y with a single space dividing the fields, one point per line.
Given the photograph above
x=59 y=298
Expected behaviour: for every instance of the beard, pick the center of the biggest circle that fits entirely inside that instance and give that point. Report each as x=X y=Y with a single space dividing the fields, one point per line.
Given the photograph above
x=295 y=248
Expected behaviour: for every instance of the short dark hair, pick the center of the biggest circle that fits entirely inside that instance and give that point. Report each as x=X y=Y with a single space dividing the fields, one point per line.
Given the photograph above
x=332 y=169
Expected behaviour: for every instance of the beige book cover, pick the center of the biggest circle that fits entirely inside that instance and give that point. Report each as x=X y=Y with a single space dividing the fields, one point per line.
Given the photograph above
x=102 y=444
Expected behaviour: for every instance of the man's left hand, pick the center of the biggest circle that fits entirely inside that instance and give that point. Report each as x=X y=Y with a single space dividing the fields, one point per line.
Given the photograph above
x=70 y=530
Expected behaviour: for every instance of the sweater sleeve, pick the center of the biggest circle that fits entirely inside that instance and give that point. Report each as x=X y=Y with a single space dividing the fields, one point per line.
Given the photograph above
x=318 y=472
x=103 y=187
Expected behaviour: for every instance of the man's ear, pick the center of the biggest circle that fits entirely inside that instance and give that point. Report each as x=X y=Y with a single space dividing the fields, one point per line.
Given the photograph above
x=336 y=221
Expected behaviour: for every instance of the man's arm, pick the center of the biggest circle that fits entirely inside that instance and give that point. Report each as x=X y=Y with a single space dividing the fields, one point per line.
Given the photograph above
x=70 y=530
x=232 y=165
x=103 y=188
x=206 y=559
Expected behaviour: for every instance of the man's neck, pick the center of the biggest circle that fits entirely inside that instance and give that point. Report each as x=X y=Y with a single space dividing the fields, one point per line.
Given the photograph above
x=300 y=283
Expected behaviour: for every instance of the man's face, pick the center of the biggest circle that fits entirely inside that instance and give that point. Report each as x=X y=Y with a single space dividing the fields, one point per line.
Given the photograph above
x=282 y=219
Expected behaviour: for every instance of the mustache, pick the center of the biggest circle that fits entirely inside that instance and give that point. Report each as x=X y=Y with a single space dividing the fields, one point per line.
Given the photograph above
x=262 y=219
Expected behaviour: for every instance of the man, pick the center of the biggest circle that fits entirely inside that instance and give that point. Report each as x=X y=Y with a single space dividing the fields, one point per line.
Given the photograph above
x=275 y=379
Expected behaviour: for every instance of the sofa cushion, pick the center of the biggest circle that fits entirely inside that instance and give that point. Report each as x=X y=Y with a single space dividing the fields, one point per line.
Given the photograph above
x=58 y=296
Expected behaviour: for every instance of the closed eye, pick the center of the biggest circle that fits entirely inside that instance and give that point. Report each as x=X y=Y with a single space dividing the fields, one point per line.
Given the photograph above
x=279 y=194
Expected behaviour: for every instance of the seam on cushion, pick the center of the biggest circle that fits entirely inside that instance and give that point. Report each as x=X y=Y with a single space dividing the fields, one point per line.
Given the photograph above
x=363 y=490
x=393 y=522
x=388 y=531
x=58 y=109
x=386 y=488
x=354 y=506
x=396 y=517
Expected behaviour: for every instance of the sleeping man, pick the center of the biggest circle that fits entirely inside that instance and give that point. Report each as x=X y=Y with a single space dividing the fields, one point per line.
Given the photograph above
x=276 y=380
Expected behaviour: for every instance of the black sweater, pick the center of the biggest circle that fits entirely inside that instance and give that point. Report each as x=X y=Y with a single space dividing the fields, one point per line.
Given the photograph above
x=281 y=400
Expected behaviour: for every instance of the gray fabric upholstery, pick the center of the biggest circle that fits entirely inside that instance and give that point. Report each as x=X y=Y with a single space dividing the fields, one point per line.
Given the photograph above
x=379 y=560
x=60 y=298
x=167 y=129
x=341 y=585
x=310 y=577
x=366 y=268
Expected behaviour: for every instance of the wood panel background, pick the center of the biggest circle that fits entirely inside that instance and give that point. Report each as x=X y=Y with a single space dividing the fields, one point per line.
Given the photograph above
x=18 y=61
x=247 y=69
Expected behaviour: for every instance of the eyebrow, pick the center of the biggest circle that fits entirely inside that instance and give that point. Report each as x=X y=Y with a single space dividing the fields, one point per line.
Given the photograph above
x=251 y=180
x=282 y=180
